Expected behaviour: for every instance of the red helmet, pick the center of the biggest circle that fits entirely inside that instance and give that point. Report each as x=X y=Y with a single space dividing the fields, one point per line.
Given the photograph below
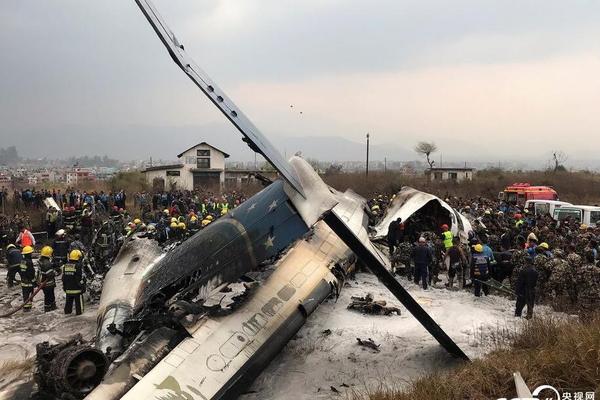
x=445 y=227
x=518 y=216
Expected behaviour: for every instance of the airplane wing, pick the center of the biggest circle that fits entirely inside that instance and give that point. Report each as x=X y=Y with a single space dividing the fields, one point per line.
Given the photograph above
x=365 y=251
x=255 y=139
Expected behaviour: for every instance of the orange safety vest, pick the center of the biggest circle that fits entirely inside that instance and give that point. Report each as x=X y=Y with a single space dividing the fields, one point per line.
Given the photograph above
x=26 y=239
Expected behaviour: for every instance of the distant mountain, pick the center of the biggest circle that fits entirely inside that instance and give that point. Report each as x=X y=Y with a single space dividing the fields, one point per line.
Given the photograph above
x=136 y=142
x=335 y=148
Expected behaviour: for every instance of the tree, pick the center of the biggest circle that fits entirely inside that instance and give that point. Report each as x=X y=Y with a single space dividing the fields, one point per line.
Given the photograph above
x=426 y=148
x=334 y=169
x=559 y=158
x=9 y=155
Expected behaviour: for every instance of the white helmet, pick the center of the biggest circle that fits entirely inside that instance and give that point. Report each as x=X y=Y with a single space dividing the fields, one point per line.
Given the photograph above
x=60 y=232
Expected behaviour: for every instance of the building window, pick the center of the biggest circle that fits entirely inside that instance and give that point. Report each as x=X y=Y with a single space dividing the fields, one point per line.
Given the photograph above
x=453 y=176
x=203 y=153
x=203 y=163
x=173 y=173
x=437 y=176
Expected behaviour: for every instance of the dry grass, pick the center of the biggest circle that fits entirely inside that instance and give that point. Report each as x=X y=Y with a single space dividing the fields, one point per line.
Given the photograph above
x=13 y=371
x=561 y=353
x=577 y=187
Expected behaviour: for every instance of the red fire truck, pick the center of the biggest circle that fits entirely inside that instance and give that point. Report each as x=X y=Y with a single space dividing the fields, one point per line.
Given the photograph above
x=519 y=193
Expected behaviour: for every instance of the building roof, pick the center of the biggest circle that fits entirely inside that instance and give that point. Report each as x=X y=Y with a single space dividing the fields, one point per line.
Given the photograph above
x=450 y=169
x=161 y=167
x=204 y=143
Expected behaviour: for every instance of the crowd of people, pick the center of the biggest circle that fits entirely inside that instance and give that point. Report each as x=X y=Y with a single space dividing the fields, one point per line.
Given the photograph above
x=538 y=258
x=72 y=224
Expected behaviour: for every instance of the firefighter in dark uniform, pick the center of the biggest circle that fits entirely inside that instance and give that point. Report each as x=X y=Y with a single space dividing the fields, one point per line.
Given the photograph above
x=73 y=283
x=525 y=289
x=61 y=249
x=13 y=260
x=480 y=268
x=46 y=274
x=27 y=274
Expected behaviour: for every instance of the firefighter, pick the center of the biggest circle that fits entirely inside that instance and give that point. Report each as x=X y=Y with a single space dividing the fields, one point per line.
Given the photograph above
x=27 y=274
x=13 y=258
x=87 y=224
x=60 y=248
x=480 y=267
x=46 y=274
x=182 y=230
x=193 y=225
x=73 y=282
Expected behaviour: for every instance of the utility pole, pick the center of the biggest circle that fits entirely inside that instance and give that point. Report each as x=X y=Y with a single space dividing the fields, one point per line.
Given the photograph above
x=367 y=167
x=385 y=165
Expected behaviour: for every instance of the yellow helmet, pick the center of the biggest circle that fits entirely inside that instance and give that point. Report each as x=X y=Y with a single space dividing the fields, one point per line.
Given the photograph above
x=27 y=250
x=223 y=211
x=205 y=222
x=478 y=248
x=137 y=221
x=209 y=217
x=75 y=255
x=583 y=227
x=173 y=225
x=181 y=225
x=544 y=245
x=47 y=251
x=10 y=246
x=173 y=220
x=194 y=218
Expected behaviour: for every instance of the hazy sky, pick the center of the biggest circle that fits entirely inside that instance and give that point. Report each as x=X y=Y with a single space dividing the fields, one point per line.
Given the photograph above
x=498 y=79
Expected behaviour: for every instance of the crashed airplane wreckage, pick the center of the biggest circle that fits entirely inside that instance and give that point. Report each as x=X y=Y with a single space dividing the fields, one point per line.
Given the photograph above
x=410 y=204
x=157 y=336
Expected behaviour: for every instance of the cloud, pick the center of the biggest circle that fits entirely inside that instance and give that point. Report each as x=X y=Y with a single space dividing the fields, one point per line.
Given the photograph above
x=481 y=78
x=501 y=110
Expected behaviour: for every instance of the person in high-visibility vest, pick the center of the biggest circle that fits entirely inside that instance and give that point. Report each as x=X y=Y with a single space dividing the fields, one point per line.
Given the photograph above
x=73 y=283
x=25 y=238
x=27 y=274
x=446 y=237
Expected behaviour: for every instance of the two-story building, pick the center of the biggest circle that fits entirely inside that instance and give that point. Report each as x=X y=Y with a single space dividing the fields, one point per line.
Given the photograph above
x=201 y=166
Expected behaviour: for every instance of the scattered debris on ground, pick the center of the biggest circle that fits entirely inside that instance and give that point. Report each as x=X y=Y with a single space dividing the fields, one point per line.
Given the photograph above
x=368 y=343
x=368 y=305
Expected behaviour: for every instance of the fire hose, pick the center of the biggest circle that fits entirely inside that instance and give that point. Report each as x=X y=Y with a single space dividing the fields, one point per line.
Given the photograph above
x=29 y=299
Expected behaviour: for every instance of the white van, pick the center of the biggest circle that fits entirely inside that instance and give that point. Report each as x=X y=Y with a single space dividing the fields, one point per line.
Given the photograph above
x=589 y=215
x=541 y=207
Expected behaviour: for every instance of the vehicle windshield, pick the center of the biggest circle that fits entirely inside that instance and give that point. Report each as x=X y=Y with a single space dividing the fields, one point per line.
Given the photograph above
x=595 y=217
x=542 y=208
x=564 y=213
x=511 y=197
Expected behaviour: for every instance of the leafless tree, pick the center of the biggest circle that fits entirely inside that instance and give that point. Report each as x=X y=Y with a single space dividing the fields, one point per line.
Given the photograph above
x=559 y=158
x=426 y=148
